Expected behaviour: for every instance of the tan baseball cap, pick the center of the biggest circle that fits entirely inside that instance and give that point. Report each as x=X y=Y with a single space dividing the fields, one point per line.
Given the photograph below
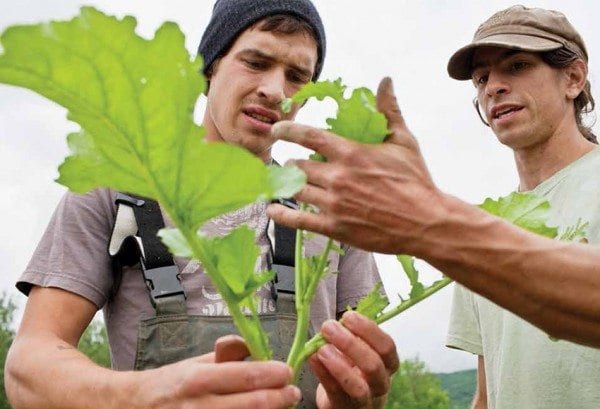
x=519 y=28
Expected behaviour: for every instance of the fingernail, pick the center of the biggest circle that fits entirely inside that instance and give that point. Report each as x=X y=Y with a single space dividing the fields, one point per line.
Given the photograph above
x=332 y=328
x=295 y=391
x=351 y=317
x=327 y=352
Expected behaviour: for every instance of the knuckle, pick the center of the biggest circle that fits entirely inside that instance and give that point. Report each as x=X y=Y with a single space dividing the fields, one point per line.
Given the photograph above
x=359 y=392
x=261 y=399
x=372 y=368
x=316 y=138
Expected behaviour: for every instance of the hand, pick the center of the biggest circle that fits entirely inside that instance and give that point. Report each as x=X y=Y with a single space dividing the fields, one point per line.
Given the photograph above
x=219 y=380
x=355 y=367
x=377 y=197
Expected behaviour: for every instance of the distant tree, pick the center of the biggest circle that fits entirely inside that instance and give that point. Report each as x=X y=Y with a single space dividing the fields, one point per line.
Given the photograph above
x=414 y=387
x=7 y=334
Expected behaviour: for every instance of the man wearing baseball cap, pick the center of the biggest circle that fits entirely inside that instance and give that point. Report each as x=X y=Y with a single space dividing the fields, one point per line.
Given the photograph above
x=256 y=53
x=529 y=67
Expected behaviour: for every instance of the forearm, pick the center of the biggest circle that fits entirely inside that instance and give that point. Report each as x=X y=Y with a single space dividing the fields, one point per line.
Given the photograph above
x=554 y=285
x=46 y=372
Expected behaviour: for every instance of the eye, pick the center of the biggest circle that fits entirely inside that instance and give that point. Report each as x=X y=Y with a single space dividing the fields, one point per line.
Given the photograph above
x=255 y=64
x=479 y=79
x=519 y=65
x=297 y=78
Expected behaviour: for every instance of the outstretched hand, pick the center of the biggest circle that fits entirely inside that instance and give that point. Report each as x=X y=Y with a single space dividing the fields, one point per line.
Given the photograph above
x=377 y=197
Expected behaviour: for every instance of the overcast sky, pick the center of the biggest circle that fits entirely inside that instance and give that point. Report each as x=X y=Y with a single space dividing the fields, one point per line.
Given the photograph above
x=410 y=41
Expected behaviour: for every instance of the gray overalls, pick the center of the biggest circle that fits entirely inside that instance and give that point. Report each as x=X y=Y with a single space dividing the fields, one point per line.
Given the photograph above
x=173 y=334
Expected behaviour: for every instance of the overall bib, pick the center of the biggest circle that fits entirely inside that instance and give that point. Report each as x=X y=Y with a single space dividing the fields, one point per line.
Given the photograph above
x=173 y=334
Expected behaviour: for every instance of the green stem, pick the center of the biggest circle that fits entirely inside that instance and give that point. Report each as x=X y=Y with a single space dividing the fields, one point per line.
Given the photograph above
x=303 y=312
x=318 y=341
x=255 y=340
x=406 y=304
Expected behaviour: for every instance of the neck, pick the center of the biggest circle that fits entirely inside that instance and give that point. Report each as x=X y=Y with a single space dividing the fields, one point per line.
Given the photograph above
x=537 y=163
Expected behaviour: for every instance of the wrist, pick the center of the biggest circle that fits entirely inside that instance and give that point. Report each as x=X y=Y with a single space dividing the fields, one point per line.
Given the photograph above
x=129 y=389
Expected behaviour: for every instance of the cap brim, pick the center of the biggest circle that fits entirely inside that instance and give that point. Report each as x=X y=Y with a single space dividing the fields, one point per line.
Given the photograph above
x=459 y=65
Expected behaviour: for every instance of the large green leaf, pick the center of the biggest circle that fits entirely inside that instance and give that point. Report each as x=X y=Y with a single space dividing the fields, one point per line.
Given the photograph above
x=525 y=210
x=134 y=100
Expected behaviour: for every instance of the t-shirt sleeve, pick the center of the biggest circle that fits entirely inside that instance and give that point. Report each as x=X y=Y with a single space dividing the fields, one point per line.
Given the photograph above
x=72 y=253
x=358 y=274
x=464 y=331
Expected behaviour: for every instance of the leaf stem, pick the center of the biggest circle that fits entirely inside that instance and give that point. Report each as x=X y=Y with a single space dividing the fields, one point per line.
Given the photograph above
x=305 y=288
x=406 y=304
x=318 y=341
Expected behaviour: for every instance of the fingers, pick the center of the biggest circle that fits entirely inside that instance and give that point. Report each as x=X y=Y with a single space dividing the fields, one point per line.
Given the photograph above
x=232 y=377
x=318 y=140
x=282 y=398
x=365 y=358
x=230 y=348
x=375 y=337
x=341 y=379
x=317 y=173
x=315 y=222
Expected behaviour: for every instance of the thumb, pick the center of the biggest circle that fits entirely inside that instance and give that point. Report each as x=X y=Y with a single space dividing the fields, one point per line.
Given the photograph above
x=230 y=348
x=388 y=105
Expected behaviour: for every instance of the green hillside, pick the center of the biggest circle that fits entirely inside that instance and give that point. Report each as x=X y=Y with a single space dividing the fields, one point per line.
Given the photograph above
x=460 y=386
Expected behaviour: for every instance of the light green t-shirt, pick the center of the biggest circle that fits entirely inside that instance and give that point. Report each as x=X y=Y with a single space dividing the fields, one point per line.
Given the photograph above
x=524 y=368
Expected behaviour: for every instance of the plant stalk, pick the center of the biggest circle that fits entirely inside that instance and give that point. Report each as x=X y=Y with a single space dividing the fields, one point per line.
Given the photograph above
x=318 y=341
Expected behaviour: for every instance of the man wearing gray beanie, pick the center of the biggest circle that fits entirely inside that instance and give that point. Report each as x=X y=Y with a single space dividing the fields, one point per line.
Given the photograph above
x=257 y=53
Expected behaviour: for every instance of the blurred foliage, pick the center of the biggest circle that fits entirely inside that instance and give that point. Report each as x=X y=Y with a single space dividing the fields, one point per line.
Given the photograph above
x=94 y=343
x=7 y=333
x=460 y=386
x=414 y=387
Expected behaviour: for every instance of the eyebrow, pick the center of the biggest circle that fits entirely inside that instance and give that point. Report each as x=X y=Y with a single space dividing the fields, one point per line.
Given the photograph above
x=504 y=55
x=260 y=54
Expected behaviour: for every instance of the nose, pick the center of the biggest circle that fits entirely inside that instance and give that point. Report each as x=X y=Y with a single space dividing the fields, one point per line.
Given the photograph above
x=272 y=86
x=496 y=84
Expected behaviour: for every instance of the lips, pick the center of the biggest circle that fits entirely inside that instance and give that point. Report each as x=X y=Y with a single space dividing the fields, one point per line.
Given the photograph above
x=261 y=114
x=500 y=111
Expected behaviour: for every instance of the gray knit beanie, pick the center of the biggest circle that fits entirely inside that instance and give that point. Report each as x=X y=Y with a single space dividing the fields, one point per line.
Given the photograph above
x=231 y=17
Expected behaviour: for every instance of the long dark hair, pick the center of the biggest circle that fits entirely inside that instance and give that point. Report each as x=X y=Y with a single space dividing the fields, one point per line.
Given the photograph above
x=584 y=103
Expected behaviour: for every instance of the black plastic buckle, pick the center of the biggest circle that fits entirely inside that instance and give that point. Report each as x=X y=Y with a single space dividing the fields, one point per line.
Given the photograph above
x=162 y=281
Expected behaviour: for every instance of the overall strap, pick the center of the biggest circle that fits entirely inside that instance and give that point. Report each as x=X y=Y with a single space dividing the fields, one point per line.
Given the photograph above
x=134 y=238
x=283 y=243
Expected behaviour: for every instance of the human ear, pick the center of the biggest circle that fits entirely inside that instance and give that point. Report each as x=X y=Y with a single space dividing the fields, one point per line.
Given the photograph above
x=576 y=76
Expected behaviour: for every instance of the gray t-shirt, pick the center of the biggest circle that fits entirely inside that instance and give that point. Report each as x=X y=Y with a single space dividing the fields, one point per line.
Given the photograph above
x=73 y=255
x=524 y=368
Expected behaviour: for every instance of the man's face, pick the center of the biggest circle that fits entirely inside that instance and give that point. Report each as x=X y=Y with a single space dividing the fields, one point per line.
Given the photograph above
x=248 y=84
x=523 y=99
